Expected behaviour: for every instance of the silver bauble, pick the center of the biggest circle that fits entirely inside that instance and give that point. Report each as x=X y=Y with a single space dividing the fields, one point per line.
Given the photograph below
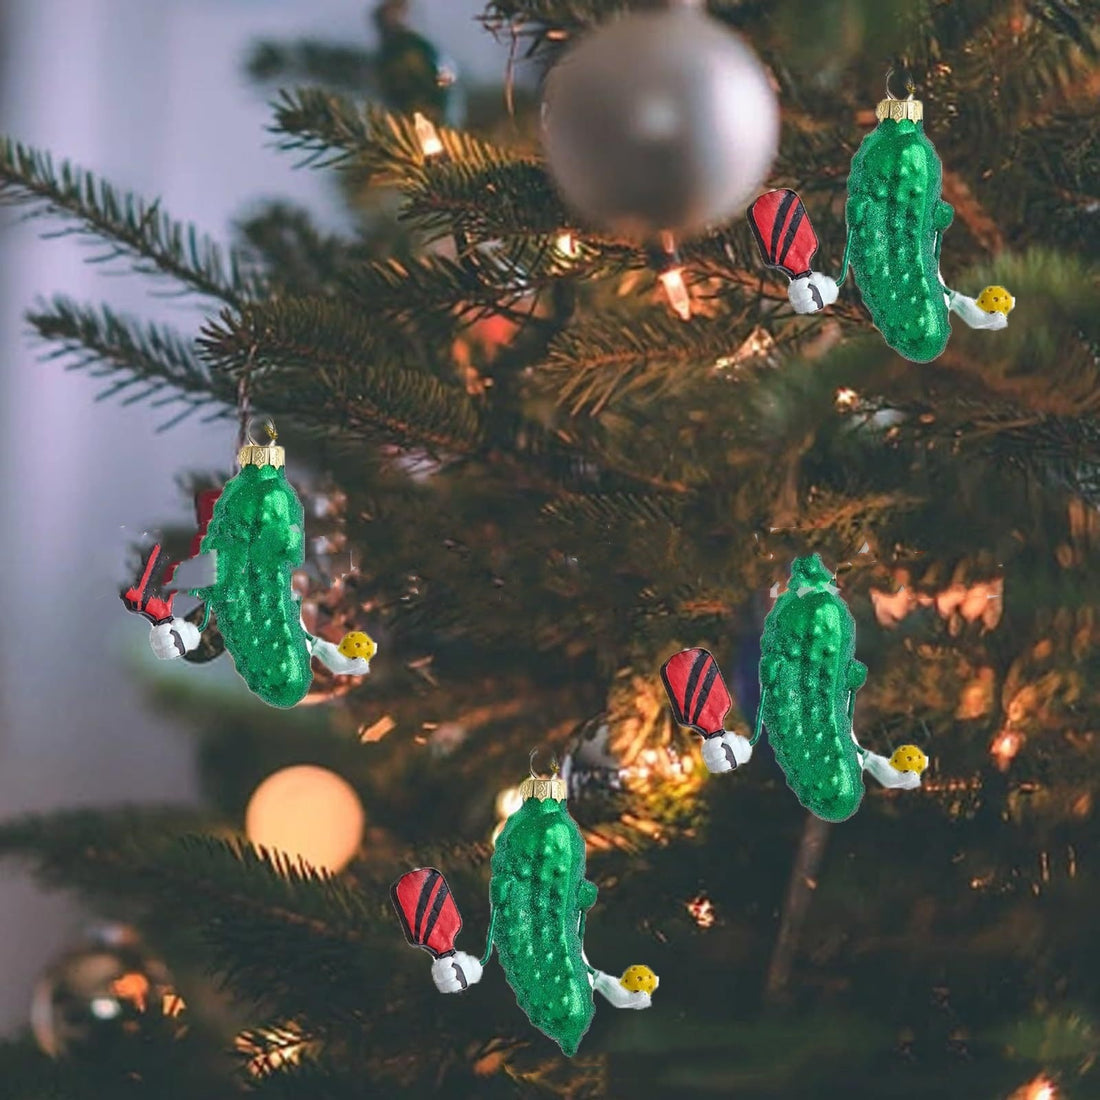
x=590 y=766
x=107 y=993
x=659 y=121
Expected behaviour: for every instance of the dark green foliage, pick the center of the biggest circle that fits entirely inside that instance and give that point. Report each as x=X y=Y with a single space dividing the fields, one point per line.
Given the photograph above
x=534 y=483
x=141 y=360
x=130 y=227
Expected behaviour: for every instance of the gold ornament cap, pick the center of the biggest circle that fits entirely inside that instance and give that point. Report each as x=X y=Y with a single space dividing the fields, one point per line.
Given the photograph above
x=543 y=787
x=255 y=454
x=898 y=109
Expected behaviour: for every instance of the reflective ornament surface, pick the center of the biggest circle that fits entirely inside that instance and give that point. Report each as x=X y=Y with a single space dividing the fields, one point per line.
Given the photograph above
x=659 y=121
x=102 y=996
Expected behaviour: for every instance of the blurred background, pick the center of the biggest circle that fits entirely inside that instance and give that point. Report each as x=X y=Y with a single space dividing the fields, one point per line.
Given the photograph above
x=531 y=481
x=155 y=97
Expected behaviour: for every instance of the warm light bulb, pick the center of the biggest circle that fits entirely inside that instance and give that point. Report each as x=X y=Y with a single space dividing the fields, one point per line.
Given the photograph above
x=427 y=135
x=677 y=292
x=701 y=909
x=1005 y=747
x=566 y=244
x=308 y=813
x=508 y=801
x=1042 y=1088
x=846 y=398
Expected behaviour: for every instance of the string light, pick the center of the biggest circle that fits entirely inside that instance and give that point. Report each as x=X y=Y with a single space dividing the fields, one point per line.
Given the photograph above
x=1005 y=746
x=670 y=271
x=846 y=398
x=757 y=345
x=566 y=244
x=427 y=135
x=677 y=292
x=377 y=730
x=702 y=911
x=1042 y=1088
x=508 y=801
x=272 y=1048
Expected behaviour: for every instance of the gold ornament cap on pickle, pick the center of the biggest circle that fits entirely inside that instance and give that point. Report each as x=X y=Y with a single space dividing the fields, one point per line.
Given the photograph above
x=897 y=109
x=256 y=454
x=543 y=787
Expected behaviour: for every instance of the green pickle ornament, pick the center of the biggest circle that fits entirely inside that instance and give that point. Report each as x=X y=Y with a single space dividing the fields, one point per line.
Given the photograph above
x=539 y=899
x=251 y=538
x=896 y=220
x=809 y=677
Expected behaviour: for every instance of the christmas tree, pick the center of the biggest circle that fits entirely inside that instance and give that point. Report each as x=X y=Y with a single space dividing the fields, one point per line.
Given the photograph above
x=532 y=482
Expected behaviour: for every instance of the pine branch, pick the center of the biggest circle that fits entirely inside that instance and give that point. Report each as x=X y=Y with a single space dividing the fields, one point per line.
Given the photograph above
x=453 y=291
x=154 y=243
x=608 y=358
x=80 y=848
x=332 y=130
x=1050 y=186
x=143 y=361
x=452 y=198
x=297 y=257
x=276 y=930
x=607 y=510
x=326 y=367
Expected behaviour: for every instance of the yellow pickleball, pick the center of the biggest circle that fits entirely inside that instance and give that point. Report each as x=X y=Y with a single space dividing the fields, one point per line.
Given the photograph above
x=357 y=644
x=638 y=979
x=909 y=759
x=995 y=299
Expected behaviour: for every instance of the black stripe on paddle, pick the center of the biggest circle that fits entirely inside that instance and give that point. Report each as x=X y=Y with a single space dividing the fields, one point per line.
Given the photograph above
x=777 y=226
x=422 y=902
x=792 y=230
x=437 y=908
x=692 y=680
x=704 y=692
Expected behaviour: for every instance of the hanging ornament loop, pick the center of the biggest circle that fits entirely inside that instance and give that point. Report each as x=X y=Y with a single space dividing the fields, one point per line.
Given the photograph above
x=554 y=766
x=261 y=454
x=543 y=786
x=892 y=107
x=906 y=79
x=267 y=425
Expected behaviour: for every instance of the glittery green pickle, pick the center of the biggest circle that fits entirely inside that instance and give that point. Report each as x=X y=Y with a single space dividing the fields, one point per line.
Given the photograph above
x=257 y=532
x=808 y=680
x=539 y=896
x=896 y=220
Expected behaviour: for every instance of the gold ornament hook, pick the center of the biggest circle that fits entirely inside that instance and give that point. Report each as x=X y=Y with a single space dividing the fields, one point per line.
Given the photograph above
x=898 y=109
x=910 y=87
x=554 y=767
x=269 y=430
x=543 y=787
x=261 y=454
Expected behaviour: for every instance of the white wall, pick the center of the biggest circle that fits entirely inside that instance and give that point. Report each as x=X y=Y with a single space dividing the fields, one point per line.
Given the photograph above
x=150 y=95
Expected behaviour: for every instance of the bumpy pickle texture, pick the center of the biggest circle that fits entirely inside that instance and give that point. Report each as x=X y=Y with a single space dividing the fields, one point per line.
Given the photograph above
x=257 y=531
x=895 y=215
x=807 y=671
x=538 y=891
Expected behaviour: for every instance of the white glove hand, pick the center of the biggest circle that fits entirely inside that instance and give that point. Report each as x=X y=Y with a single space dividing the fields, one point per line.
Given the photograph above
x=453 y=973
x=725 y=751
x=888 y=775
x=809 y=293
x=330 y=656
x=608 y=986
x=973 y=314
x=173 y=639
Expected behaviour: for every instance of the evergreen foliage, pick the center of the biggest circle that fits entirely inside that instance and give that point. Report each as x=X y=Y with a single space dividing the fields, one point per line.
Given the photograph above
x=546 y=484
